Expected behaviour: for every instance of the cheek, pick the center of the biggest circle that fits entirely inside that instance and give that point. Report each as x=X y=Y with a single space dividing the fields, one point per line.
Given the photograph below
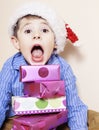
x=24 y=42
x=24 y=47
x=52 y=40
x=51 y=37
x=50 y=45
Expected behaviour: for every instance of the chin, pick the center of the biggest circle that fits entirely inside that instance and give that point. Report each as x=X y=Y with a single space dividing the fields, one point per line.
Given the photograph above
x=38 y=63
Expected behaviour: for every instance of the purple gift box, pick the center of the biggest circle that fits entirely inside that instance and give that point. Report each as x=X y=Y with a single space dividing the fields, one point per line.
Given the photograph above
x=47 y=89
x=39 y=122
x=39 y=73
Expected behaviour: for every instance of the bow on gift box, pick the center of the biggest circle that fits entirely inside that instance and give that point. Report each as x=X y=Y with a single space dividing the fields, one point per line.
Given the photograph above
x=52 y=89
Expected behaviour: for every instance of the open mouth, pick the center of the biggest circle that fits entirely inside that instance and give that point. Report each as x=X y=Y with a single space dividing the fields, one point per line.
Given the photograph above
x=37 y=53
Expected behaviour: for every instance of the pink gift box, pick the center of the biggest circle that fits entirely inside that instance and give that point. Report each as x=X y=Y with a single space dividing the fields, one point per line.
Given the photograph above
x=39 y=73
x=47 y=89
x=39 y=122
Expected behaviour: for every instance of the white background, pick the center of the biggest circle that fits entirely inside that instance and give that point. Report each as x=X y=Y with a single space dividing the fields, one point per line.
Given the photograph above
x=83 y=17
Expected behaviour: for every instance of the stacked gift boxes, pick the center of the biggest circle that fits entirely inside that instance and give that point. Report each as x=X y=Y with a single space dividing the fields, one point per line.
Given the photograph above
x=44 y=92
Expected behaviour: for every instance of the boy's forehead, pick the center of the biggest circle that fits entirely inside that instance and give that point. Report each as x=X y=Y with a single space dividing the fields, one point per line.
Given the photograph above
x=32 y=18
x=28 y=20
x=29 y=17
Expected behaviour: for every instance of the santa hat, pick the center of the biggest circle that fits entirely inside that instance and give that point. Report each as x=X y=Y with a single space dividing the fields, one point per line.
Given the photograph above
x=61 y=30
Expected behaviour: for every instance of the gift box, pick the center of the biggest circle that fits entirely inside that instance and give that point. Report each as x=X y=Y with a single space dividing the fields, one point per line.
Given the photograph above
x=39 y=73
x=39 y=122
x=28 y=105
x=47 y=89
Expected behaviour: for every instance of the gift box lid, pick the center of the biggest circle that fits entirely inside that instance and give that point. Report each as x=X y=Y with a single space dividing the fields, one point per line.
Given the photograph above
x=39 y=73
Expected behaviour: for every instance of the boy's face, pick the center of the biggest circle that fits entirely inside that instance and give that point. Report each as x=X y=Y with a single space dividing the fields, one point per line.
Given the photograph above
x=35 y=40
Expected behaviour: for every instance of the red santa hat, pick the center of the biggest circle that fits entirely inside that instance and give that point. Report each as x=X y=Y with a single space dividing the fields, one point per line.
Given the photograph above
x=61 y=30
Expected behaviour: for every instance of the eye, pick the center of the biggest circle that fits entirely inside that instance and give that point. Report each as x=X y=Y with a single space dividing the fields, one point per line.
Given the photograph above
x=28 y=31
x=45 y=30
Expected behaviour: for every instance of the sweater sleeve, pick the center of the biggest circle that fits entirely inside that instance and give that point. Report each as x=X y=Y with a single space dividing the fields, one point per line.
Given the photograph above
x=77 y=110
x=5 y=91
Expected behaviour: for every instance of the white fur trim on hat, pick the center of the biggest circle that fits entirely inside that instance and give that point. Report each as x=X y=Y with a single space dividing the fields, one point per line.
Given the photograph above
x=56 y=23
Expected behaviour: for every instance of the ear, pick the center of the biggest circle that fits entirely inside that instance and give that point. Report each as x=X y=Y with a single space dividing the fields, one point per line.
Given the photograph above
x=15 y=42
x=55 y=46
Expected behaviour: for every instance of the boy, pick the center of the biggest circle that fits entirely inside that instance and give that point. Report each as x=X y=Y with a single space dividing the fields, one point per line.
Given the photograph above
x=39 y=35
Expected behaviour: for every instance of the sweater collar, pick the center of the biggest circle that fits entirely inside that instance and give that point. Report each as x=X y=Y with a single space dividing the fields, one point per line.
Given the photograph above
x=18 y=60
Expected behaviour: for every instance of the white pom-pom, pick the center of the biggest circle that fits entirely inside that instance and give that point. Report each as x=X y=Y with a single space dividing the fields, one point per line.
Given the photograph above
x=77 y=43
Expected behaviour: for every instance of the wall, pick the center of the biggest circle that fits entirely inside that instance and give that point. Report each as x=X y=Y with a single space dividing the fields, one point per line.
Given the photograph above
x=83 y=17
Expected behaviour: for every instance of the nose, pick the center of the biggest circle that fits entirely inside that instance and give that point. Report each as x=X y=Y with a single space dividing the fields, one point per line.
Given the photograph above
x=36 y=36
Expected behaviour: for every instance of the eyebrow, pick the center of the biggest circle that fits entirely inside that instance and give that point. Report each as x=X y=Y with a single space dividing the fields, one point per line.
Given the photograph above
x=45 y=23
x=25 y=25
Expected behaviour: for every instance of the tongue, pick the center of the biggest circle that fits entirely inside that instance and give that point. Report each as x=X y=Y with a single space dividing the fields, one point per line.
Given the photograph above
x=37 y=53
